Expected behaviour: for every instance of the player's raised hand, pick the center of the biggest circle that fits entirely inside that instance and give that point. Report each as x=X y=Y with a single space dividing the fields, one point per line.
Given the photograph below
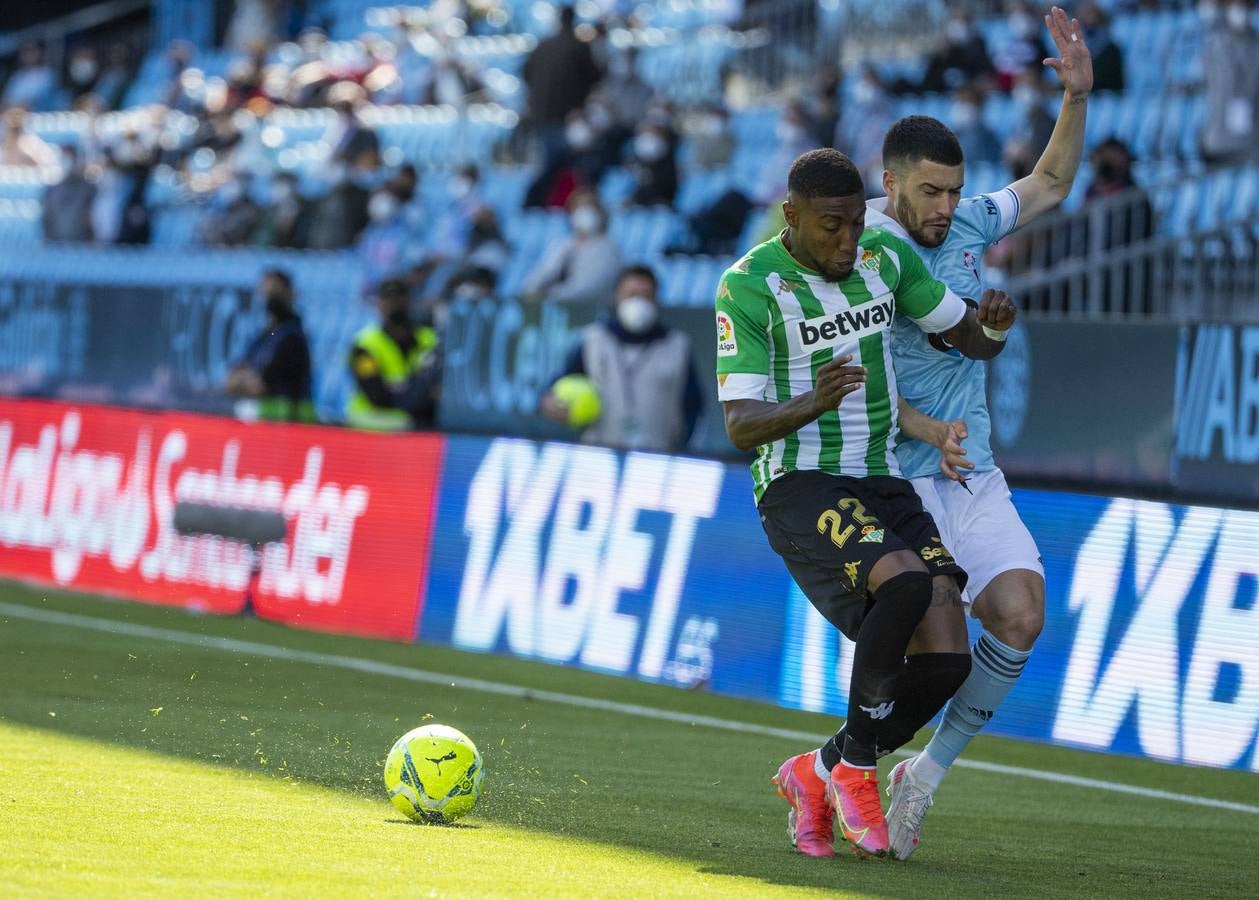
x=997 y=311
x=835 y=381
x=953 y=454
x=1074 y=63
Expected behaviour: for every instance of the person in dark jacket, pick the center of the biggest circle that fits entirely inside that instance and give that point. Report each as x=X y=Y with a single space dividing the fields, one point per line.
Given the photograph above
x=275 y=370
x=560 y=74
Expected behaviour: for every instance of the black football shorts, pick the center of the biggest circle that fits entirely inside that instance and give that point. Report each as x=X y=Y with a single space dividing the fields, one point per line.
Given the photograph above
x=830 y=530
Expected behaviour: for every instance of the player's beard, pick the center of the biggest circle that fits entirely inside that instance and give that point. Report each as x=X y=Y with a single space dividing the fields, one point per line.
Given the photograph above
x=905 y=215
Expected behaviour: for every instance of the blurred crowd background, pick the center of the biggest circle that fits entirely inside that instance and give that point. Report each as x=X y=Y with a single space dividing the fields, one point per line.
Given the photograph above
x=469 y=149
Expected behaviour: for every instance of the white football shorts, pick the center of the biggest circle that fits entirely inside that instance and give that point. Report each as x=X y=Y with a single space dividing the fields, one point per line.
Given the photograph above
x=980 y=527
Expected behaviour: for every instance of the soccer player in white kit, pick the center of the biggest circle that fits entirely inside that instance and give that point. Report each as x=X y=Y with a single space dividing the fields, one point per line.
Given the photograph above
x=978 y=522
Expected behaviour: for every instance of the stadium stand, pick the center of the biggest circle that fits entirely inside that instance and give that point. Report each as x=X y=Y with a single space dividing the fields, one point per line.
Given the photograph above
x=207 y=116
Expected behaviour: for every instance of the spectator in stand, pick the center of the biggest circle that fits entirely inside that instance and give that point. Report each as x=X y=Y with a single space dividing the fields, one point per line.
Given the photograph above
x=1231 y=80
x=112 y=83
x=711 y=143
x=33 y=83
x=654 y=166
x=338 y=217
x=67 y=207
x=625 y=92
x=452 y=230
x=1112 y=175
x=1108 y=71
x=979 y=144
x=351 y=141
x=82 y=70
x=866 y=119
x=119 y=212
x=962 y=59
x=581 y=268
x=451 y=82
x=274 y=378
x=1024 y=47
x=793 y=135
x=254 y=20
x=642 y=370
x=283 y=220
x=21 y=147
x=560 y=73
x=233 y=214
x=384 y=243
x=395 y=366
x=822 y=104
x=1030 y=137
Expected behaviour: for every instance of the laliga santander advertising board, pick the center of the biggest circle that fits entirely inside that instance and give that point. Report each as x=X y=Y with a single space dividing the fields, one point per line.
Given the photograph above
x=87 y=495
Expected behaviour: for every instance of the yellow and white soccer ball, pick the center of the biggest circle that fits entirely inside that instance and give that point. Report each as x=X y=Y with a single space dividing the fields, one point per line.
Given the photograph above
x=433 y=774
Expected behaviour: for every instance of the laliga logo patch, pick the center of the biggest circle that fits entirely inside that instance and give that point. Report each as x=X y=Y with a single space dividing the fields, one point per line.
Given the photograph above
x=726 y=343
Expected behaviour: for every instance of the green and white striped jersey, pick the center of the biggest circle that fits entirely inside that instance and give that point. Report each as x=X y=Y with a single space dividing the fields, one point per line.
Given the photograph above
x=779 y=322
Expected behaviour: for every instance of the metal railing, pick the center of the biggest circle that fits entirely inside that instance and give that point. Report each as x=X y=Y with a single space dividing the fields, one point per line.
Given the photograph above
x=1107 y=261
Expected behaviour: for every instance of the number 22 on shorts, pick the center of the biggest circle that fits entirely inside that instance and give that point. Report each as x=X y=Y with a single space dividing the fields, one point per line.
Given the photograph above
x=834 y=519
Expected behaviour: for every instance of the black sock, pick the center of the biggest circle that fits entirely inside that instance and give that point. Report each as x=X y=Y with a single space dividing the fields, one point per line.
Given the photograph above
x=878 y=665
x=931 y=679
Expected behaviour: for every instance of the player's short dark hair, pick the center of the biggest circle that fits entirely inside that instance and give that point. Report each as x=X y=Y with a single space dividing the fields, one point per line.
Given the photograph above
x=915 y=138
x=638 y=270
x=824 y=173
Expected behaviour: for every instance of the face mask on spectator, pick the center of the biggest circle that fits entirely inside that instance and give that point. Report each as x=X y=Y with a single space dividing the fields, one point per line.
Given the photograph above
x=636 y=314
x=460 y=188
x=82 y=70
x=1025 y=96
x=1237 y=16
x=712 y=126
x=579 y=134
x=1208 y=12
x=469 y=291
x=964 y=115
x=865 y=93
x=585 y=220
x=599 y=115
x=650 y=147
x=788 y=132
x=1021 y=26
x=957 y=32
x=382 y=206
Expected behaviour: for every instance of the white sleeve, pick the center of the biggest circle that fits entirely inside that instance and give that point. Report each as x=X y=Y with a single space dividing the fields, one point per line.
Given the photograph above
x=948 y=312
x=741 y=386
x=1008 y=205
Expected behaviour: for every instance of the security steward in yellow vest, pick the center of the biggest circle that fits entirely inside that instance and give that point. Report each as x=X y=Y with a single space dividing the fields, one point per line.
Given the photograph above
x=395 y=367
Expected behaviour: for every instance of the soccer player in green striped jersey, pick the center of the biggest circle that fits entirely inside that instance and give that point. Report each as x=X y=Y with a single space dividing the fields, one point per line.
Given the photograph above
x=805 y=376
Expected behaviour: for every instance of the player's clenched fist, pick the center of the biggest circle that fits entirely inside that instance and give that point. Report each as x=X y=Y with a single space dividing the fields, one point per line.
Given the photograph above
x=836 y=380
x=997 y=310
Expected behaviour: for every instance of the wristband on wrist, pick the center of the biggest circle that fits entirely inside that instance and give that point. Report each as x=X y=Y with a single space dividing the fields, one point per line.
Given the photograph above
x=995 y=334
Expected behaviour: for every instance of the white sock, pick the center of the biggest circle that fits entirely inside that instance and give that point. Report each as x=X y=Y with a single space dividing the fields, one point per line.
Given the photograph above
x=928 y=771
x=820 y=767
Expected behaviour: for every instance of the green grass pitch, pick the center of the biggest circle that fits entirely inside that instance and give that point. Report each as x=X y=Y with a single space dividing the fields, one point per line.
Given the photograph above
x=131 y=765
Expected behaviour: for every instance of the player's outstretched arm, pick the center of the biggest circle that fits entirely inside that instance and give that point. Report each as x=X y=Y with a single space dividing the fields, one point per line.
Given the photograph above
x=1055 y=171
x=751 y=423
x=981 y=333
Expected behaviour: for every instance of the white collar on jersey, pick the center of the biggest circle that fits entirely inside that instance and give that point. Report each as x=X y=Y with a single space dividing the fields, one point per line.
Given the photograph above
x=877 y=217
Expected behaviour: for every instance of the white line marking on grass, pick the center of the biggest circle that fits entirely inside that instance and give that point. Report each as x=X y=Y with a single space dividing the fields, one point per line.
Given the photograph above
x=355 y=664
